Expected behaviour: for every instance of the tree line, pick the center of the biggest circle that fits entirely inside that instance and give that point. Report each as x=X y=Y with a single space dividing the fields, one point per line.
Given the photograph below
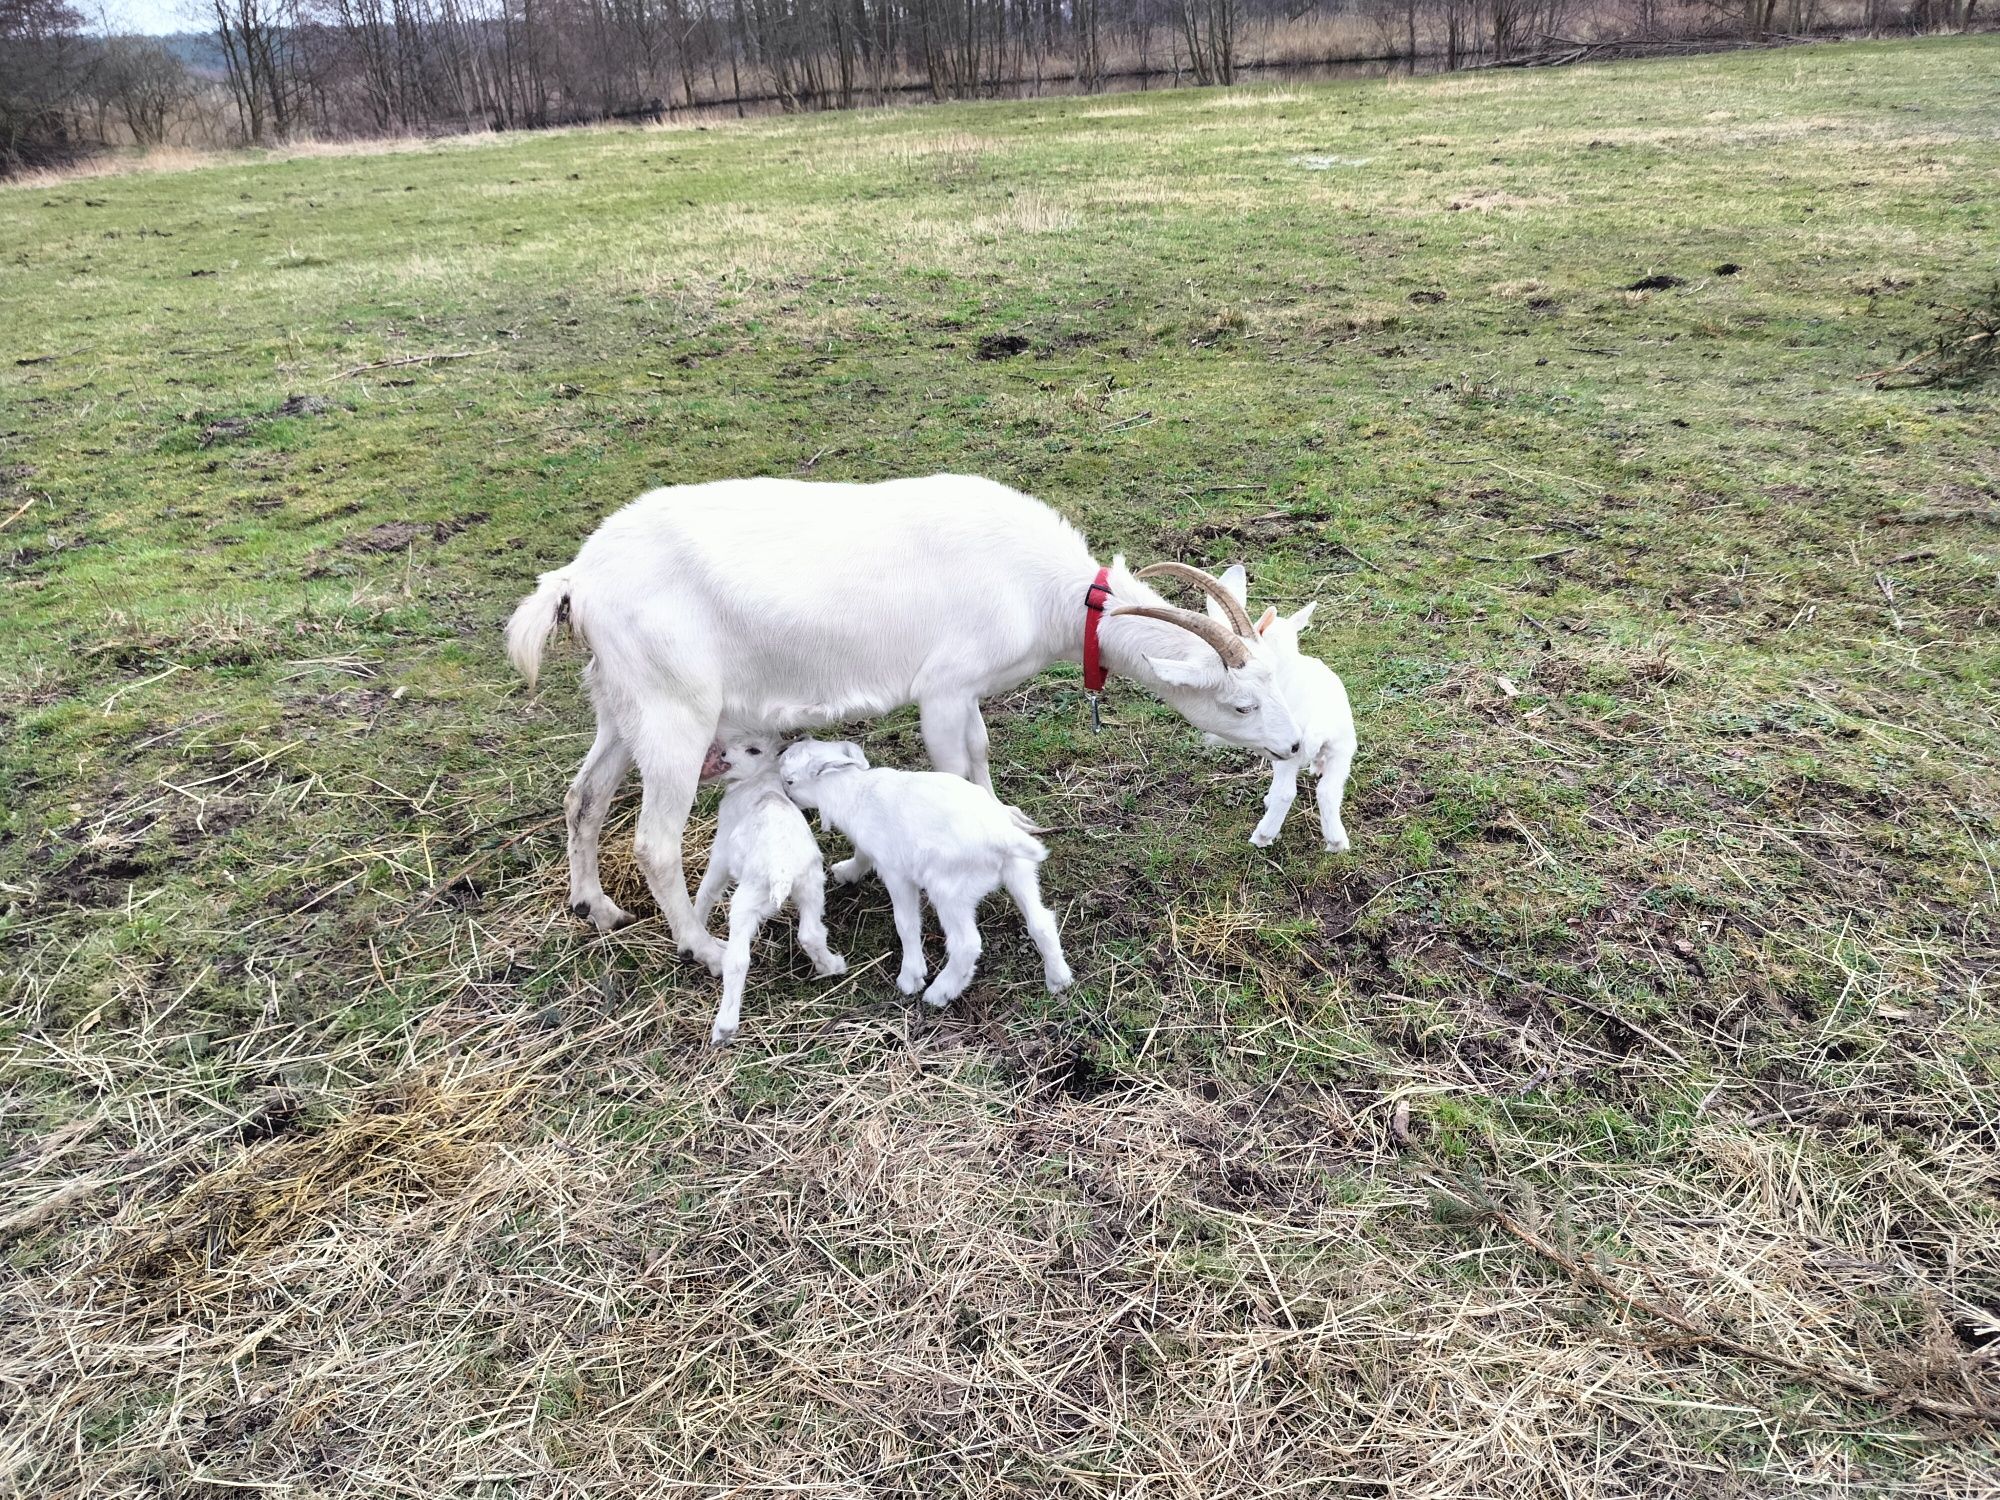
x=283 y=69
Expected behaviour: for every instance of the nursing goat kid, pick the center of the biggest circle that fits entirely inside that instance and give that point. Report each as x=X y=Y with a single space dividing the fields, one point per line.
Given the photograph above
x=763 y=845
x=1318 y=701
x=780 y=604
x=929 y=836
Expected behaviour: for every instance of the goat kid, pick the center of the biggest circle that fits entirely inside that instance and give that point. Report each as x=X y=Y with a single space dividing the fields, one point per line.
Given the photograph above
x=928 y=836
x=763 y=845
x=1318 y=701
x=786 y=604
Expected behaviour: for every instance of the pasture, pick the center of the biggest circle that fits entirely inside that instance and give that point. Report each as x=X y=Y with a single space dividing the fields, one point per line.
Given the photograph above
x=1619 y=1117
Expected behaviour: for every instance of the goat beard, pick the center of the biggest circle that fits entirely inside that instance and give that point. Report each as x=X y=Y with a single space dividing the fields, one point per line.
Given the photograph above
x=713 y=764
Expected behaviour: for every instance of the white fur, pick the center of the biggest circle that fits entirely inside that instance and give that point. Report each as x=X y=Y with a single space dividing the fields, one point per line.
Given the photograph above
x=777 y=604
x=763 y=845
x=1318 y=701
x=931 y=835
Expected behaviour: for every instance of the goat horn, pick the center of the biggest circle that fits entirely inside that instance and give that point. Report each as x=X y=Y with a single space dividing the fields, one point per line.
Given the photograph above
x=1239 y=617
x=1228 y=646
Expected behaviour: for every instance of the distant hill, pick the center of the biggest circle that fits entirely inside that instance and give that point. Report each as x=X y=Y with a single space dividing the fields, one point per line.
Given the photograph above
x=198 y=51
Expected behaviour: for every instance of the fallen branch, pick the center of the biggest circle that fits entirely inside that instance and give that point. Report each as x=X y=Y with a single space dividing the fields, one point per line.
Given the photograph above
x=1712 y=1338
x=1969 y=349
x=412 y=359
x=1531 y=557
x=1964 y=348
x=1530 y=475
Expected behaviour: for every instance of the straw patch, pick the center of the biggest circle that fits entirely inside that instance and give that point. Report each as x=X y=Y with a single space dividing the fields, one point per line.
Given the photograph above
x=1252 y=98
x=1030 y=213
x=416 y=1141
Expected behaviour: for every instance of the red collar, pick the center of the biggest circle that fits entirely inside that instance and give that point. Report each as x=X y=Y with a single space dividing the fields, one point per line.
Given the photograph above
x=1093 y=611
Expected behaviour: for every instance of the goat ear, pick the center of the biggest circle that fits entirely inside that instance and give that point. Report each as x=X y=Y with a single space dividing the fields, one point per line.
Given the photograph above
x=1186 y=674
x=1264 y=621
x=1237 y=582
x=1303 y=618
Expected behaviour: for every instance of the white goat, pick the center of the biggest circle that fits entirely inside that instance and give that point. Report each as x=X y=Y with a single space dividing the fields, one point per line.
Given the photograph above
x=781 y=604
x=930 y=835
x=1318 y=701
x=762 y=844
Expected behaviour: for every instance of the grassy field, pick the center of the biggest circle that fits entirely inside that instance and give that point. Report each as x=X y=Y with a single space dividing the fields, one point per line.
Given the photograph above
x=1618 y=1118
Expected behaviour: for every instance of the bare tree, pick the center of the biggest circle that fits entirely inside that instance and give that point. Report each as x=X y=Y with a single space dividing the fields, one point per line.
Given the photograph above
x=258 y=39
x=352 y=66
x=144 y=83
x=1208 y=27
x=46 y=64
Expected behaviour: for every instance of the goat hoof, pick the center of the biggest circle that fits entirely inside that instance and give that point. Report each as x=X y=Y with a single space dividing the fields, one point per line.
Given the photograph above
x=1263 y=840
x=722 y=1036
x=937 y=1000
x=1059 y=979
x=910 y=983
x=834 y=965
x=1336 y=846
x=604 y=915
x=845 y=873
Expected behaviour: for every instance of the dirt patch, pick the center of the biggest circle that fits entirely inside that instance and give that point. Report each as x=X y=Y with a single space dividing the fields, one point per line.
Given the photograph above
x=326 y=707
x=1657 y=283
x=1270 y=526
x=227 y=429
x=395 y=536
x=99 y=877
x=1000 y=346
x=1048 y=1061
x=215 y=430
x=278 y=1114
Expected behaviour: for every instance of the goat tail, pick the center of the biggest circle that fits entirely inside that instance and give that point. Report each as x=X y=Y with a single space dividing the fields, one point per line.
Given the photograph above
x=534 y=620
x=1020 y=841
x=1027 y=825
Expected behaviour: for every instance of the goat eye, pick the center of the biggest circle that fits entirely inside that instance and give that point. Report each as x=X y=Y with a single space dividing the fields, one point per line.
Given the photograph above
x=755 y=751
x=1243 y=708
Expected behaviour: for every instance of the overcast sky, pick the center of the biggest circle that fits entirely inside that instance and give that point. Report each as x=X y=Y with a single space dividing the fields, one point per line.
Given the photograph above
x=149 y=17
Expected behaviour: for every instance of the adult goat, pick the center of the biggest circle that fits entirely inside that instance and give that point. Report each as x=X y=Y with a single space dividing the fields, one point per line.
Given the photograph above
x=780 y=604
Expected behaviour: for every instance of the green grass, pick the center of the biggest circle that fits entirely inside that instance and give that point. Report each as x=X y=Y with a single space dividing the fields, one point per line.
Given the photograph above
x=1680 y=940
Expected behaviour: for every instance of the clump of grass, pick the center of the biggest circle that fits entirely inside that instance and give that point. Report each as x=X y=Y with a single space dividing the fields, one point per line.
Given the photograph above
x=1224 y=325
